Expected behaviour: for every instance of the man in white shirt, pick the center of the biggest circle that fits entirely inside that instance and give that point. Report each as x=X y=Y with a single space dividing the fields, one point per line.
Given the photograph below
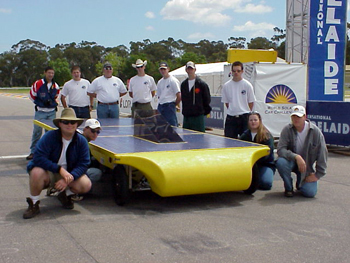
x=142 y=88
x=239 y=98
x=107 y=89
x=75 y=89
x=168 y=91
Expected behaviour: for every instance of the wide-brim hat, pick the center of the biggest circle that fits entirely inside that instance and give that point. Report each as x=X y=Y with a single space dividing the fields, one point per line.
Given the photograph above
x=139 y=63
x=69 y=115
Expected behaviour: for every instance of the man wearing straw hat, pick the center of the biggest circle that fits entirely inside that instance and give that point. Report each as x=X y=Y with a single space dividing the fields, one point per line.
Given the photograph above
x=61 y=159
x=142 y=88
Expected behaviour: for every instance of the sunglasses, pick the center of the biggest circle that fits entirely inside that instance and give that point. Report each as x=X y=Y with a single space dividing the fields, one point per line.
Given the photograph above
x=95 y=131
x=139 y=67
x=65 y=122
x=108 y=68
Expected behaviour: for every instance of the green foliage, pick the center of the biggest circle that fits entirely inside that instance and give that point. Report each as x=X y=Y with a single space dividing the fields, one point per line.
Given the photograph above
x=27 y=59
x=62 y=70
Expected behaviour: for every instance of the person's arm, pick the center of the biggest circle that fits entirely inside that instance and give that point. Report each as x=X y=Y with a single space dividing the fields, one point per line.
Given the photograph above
x=83 y=154
x=122 y=94
x=206 y=99
x=321 y=163
x=130 y=94
x=285 y=144
x=153 y=93
x=178 y=98
x=251 y=105
x=63 y=100
x=227 y=105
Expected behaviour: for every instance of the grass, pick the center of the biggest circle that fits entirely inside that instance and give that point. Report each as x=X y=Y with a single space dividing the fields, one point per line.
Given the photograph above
x=15 y=90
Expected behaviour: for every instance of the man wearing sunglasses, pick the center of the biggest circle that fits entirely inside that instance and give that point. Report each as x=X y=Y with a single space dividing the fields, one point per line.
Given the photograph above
x=92 y=129
x=107 y=89
x=142 y=88
x=61 y=160
x=239 y=98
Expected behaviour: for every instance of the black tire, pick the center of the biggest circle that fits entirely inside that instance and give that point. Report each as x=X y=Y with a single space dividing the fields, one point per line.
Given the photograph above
x=255 y=181
x=122 y=193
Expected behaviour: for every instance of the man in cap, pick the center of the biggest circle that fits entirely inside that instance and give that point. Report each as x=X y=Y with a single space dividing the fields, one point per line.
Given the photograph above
x=75 y=89
x=92 y=129
x=195 y=96
x=239 y=98
x=107 y=89
x=168 y=91
x=61 y=159
x=43 y=93
x=301 y=149
x=142 y=88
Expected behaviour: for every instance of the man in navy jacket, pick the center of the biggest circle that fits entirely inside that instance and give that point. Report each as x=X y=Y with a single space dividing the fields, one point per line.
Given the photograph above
x=61 y=159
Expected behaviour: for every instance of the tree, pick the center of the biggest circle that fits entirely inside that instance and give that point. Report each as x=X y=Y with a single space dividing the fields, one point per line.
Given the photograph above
x=261 y=43
x=8 y=67
x=237 y=42
x=62 y=71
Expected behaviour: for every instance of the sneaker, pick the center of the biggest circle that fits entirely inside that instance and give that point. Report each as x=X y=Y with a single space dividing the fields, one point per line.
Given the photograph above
x=65 y=200
x=32 y=210
x=288 y=194
x=30 y=157
x=77 y=198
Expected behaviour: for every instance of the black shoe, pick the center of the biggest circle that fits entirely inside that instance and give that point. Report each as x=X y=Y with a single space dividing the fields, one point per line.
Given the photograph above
x=32 y=210
x=65 y=200
x=30 y=157
x=288 y=193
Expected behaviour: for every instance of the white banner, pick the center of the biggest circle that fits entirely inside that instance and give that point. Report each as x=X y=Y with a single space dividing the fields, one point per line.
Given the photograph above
x=278 y=87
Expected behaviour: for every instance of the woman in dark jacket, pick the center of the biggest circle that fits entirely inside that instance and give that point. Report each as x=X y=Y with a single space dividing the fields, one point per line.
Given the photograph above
x=258 y=133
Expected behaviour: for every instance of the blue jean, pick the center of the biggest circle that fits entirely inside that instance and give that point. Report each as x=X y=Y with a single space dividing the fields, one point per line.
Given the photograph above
x=94 y=174
x=168 y=111
x=37 y=130
x=285 y=169
x=107 y=111
x=265 y=177
x=81 y=112
x=235 y=126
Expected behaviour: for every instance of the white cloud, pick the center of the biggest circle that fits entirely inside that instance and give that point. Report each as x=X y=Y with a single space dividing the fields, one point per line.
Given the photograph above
x=5 y=11
x=209 y=12
x=250 y=26
x=255 y=30
x=149 y=15
x=149 y=28
x=201 y=35
x=255 y=9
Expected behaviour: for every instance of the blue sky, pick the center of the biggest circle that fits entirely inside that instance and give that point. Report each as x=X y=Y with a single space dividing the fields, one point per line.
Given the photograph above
x=112 y=23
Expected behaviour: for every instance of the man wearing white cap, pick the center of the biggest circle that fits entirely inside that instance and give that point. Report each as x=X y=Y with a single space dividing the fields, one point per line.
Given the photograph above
x=301 y=149
x=92 y=129
x=142 y=88
x=107 y=89
x=195 y=96
x=168 y=91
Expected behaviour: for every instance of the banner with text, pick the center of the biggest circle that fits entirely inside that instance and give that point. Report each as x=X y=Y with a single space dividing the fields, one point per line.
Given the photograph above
x=334 y=126
x=327 y=43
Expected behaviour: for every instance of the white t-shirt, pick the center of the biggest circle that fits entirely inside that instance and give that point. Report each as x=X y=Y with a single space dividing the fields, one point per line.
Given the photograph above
x=63 y=160
x=191 y=84
x=76 y=91
x=107 y=89
x=141 y=88
x=167 y=89
x=301 y=136
x=238 y=94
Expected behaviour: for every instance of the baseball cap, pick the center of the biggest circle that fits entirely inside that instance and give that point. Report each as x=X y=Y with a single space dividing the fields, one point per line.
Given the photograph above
x=163 y=65
x=190 y=64
x=92 y=123
x=298 y=111
x=107 y=64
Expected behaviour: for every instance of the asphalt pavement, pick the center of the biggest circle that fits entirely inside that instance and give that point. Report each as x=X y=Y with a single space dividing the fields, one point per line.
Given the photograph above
x=221 y=227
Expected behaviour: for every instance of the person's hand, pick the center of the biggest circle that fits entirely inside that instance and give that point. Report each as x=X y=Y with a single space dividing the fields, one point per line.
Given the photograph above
x=301 y=163
x=68 y=178
x=61 y=185
x=311 y=178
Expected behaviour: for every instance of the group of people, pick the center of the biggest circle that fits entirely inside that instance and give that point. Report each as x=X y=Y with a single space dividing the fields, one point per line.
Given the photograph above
x=61 y=159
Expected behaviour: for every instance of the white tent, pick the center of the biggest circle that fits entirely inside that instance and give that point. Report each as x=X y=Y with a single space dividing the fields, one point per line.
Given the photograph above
x=211 y=73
